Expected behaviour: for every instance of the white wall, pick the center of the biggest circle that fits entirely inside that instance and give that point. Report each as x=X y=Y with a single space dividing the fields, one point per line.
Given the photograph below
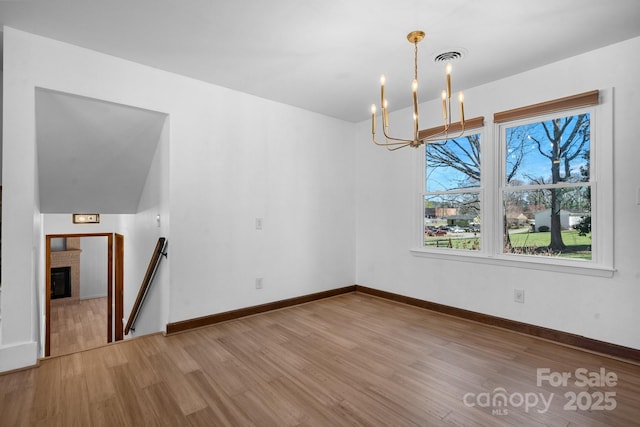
x=595 y=307
x=93 y=267
x=294 y=170
x=1 y=106
x=232 y=158
x=151 y=222
x=21 y=226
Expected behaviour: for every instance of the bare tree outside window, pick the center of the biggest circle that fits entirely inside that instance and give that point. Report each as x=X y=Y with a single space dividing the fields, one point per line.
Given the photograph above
x=452 y=214
x=547 y=188
x=541 y=201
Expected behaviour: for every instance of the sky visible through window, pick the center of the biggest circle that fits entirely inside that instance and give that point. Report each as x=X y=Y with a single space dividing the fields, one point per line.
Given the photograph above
x=530 y=151
x=455 y=164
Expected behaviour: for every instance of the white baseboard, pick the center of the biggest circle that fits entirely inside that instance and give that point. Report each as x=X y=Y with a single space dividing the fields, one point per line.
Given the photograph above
x=16 y=356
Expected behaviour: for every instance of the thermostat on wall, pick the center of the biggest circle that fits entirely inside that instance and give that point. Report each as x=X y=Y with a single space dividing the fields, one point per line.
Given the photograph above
x=86 y=218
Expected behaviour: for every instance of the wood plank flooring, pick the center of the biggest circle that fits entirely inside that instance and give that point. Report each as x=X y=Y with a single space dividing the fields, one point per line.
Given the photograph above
x=348 y=360
x=79 y=325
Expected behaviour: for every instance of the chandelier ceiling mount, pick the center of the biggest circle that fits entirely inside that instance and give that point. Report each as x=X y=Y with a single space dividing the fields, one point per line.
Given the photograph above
x=415 y=36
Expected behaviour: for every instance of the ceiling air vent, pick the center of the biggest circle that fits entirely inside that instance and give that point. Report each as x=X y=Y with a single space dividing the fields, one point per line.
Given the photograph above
x=452 y=55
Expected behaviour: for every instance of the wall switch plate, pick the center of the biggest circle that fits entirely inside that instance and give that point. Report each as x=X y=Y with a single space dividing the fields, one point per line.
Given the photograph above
x=518 y=295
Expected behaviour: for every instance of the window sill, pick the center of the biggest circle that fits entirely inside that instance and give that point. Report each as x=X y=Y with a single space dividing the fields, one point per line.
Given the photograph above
x=533 y=263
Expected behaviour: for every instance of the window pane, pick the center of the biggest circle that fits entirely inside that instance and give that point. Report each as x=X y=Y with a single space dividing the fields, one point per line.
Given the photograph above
x=452 y=221
x=453 y=164
x=549 y=152
x=532 y=226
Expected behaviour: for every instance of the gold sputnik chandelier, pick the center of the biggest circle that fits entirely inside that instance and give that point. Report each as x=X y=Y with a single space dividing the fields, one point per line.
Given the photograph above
x=419 y=137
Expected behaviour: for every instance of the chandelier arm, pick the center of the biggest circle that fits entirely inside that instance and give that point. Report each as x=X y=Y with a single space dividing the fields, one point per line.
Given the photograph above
x=444 y=134
x=387 y=143
x=440 y=136
x=397 y=148
x=384 y=131
x=437 y=136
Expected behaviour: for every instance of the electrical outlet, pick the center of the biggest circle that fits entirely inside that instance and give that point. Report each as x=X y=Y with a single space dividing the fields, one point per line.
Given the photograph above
x=259 y=283
x=518 y=295
x=258 y=223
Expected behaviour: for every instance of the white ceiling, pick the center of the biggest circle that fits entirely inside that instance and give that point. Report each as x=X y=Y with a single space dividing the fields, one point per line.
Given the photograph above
x=320 y=55
x=326 y=55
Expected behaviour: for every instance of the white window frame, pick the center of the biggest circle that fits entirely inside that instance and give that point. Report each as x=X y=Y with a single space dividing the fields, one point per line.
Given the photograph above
x=492 y=172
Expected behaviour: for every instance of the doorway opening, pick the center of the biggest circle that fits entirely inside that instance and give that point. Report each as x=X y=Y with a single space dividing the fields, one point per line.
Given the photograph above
x=73 y=321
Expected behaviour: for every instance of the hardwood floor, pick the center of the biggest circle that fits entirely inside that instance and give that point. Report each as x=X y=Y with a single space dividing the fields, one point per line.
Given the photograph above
x=350 y=360
x=78 y=326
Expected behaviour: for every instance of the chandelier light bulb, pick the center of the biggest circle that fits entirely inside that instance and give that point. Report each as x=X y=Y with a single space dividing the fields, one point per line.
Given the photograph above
x=373 y=119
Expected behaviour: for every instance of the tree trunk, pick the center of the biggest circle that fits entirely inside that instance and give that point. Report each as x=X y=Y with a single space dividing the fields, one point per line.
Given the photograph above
x=506 y=238
x=556 y=243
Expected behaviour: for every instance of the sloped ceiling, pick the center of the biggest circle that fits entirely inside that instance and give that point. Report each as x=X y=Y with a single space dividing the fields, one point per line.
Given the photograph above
x=93 y=156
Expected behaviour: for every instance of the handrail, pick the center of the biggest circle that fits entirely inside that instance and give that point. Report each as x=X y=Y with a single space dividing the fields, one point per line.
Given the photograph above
x=158 y=252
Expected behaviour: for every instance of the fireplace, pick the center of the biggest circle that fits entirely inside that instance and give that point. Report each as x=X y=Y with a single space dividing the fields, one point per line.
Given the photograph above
x=60 y=282
x=69 y=260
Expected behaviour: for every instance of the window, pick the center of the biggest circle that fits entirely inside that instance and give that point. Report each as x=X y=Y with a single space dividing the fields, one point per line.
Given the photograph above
x=546 y=189
x=539 y=195
x=452 y=208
